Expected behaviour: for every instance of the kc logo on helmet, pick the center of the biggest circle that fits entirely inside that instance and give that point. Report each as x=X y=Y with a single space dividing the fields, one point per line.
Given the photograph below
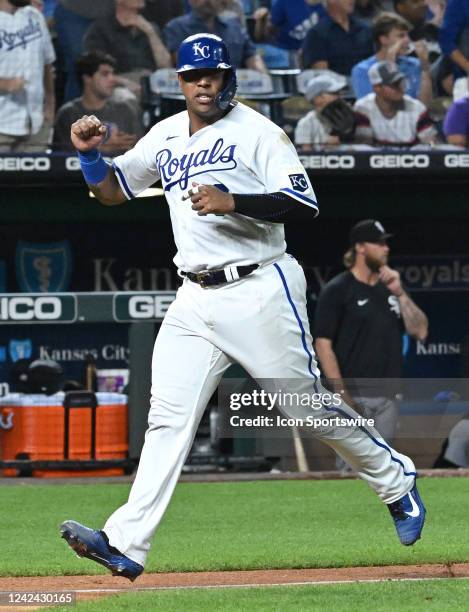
x=201 y=52
x=298 y=182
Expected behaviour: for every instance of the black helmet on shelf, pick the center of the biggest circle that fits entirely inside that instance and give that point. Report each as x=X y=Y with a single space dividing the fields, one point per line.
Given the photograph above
x=45 y=376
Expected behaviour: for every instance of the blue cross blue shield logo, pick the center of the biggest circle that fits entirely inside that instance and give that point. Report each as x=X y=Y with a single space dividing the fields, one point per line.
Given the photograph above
x=43 y=268
x=20 y=349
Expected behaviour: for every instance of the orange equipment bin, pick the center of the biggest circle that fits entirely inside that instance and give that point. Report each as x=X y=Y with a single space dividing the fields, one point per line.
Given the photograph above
x=71 y=427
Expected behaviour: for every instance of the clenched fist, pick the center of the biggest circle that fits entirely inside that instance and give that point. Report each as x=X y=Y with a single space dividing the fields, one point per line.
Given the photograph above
x=208 y=199
x=87 y=133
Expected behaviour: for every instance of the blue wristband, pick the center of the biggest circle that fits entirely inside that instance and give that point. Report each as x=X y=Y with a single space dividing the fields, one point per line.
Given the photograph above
x=93 y=166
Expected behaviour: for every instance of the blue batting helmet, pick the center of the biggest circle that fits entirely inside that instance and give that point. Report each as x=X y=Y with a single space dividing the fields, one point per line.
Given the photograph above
x=202 y=51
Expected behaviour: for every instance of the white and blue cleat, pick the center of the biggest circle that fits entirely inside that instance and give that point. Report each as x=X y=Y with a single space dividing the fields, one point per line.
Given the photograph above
x=94 y=545
x=408 y=514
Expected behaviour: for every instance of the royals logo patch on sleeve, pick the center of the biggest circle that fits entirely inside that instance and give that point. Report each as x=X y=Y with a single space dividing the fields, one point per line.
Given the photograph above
x=299 y=182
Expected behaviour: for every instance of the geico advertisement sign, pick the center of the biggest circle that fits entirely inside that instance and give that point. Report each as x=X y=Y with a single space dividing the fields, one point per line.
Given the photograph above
x=457 y=160
x=409 y=160
x=38 y=309
x=328 y=162
x=25 y=164
x=142 y=306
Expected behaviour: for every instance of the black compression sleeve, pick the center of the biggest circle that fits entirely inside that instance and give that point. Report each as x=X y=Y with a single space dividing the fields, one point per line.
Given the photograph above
x=268 y=206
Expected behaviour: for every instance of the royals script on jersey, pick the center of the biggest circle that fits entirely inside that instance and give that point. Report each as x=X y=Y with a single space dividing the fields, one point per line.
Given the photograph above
x=243 y=152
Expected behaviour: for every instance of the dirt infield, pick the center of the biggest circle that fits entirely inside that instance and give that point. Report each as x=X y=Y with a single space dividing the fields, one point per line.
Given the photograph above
x=90 y=587
x=225 y=477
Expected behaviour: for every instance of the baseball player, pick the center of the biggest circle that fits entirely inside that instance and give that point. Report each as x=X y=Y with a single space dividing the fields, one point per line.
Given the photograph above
x=231 y=179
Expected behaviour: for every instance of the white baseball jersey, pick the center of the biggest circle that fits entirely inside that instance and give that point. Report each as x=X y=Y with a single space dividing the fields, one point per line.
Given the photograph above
x=310 y=130
x=25 y=47
x=243 y=153
x=409 y=126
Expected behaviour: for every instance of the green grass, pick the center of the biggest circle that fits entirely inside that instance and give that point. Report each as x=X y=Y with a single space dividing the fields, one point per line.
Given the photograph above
x=222 y=526
x=382 y=597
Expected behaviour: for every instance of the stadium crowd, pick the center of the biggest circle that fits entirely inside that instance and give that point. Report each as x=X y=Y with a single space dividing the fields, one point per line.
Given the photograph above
x=352 y=73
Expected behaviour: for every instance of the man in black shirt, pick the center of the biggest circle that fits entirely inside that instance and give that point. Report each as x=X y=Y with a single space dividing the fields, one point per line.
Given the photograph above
x=360 y=317
x=134 y=42
x=338 y=41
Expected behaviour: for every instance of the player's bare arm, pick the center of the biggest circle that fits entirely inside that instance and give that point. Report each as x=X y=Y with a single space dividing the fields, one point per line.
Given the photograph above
x=87 y=134
x=415 y=321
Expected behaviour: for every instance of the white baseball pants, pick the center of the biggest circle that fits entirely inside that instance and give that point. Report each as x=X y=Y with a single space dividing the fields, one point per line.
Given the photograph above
x=260 y=322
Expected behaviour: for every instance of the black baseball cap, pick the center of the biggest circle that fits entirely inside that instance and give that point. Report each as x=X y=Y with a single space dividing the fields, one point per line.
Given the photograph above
x=385 y=73
x=368 y=230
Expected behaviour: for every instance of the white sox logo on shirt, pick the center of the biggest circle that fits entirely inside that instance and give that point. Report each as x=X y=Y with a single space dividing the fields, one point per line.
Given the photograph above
x=394 y=305
x=201 y=52
x=179 y=170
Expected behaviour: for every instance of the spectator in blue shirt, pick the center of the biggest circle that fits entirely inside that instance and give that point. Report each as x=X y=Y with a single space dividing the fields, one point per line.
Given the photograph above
x=454 y=35
x=49 y=8
x=282 y=30
x=204 y=18
x=338 y=41
x=292 y=19
x=392 y=43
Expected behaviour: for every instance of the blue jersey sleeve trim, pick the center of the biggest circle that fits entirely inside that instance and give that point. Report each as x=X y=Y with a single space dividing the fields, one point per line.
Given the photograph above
x=122 y=182
x=302 y=198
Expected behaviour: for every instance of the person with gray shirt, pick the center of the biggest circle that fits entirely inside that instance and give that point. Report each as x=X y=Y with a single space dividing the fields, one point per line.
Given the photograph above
x=96 y=71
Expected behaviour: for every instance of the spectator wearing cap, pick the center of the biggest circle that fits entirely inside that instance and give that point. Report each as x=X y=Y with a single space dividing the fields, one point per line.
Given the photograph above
x=360 y=318
x=338 y=41
x=392 y=43
x=388 y=117
x=204 y=17
x=311 y=131
x=456 y=124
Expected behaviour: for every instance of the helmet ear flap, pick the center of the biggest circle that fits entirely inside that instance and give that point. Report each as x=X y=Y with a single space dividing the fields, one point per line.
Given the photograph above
x=226 y=95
